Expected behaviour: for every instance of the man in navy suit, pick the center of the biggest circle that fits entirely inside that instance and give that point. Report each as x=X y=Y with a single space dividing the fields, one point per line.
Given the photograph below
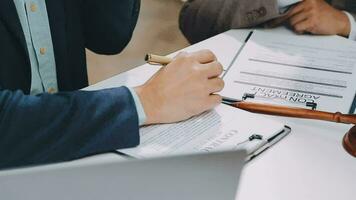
x=43 y=119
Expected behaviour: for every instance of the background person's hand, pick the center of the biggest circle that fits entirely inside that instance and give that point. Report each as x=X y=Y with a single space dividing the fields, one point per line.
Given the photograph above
x=183 y=88
x=316 y=17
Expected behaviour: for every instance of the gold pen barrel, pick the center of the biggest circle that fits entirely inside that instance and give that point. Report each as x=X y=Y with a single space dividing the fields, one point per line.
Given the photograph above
x=157 y=60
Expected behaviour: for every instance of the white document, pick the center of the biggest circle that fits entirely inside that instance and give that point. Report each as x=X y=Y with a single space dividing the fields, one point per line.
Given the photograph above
x=225 y=128
x=294 y=70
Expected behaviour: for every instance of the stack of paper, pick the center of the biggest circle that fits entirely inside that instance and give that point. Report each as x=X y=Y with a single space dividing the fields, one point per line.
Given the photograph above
x=225 y=128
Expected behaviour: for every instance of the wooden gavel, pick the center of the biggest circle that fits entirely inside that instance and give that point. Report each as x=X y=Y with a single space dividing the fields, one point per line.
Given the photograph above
x=349 y=141
x=285 y=111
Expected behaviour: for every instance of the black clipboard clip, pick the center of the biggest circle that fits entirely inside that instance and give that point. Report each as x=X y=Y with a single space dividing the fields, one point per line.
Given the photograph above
x=247 y=96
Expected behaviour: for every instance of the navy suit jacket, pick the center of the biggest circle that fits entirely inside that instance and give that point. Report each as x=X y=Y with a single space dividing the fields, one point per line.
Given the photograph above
x=68 y=125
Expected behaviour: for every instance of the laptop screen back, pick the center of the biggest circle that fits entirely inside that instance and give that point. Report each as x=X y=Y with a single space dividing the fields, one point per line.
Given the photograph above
x=204 y=176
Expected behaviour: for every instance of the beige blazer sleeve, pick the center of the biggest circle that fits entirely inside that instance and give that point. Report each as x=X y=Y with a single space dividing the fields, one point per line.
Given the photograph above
x=201 y=19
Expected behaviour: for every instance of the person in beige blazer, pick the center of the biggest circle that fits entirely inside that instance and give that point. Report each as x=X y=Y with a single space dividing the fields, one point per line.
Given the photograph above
x=201 y=19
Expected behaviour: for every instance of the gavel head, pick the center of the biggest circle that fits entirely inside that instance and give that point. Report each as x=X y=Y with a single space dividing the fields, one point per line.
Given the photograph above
x=349 y=142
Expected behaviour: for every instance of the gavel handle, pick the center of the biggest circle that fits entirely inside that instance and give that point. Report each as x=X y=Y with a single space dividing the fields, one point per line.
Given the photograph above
x=296 y=112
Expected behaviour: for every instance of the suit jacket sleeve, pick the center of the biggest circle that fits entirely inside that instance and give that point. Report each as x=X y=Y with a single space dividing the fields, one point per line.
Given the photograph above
x=201 y=19
x=109 y=24
x=53 y=128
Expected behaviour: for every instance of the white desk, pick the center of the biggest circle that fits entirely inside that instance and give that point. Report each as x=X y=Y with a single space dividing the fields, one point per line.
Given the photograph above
x=309 y=164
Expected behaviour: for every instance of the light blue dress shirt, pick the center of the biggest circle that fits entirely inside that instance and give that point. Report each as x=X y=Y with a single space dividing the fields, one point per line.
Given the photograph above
x=35 y=25
x=139 y=107
x=34 y=20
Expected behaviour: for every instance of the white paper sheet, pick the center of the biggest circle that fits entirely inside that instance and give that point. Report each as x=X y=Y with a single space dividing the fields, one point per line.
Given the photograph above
x=221 y=129
x=293 y=70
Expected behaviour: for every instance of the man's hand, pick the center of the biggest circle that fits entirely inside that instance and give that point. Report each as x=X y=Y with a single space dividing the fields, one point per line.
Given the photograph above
x=182 y=89
x=316 y=17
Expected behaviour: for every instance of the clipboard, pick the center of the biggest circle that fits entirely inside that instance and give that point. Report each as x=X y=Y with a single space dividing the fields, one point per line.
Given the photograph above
x=255 y=145
x=225 y=128
x=316 y=105
x=353 y=106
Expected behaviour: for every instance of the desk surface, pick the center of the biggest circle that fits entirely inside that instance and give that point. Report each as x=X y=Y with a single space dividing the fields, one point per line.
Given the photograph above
x=308 y=164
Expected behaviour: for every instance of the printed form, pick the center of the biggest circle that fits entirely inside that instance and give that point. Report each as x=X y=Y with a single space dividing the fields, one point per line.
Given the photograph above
x=224 y=128
x=293 y=70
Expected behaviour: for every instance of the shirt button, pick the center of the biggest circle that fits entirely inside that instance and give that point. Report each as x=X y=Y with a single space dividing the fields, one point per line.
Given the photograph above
x=33 y=7
x=51 y=90
x=43 y=51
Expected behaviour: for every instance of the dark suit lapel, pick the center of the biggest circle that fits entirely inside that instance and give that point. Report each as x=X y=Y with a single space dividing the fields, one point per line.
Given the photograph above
x=57 y=19
x=9 y=16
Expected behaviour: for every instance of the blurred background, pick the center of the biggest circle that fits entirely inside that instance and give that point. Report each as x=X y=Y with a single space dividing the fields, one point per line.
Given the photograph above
x=156 y=32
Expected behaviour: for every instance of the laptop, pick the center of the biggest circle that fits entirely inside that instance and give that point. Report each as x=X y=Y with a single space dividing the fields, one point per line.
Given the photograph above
x=199 y=176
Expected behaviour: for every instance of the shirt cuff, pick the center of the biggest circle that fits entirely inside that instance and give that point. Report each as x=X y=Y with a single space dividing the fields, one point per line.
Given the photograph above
x=139 y=107
x=284 y=5
x=352 y=35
